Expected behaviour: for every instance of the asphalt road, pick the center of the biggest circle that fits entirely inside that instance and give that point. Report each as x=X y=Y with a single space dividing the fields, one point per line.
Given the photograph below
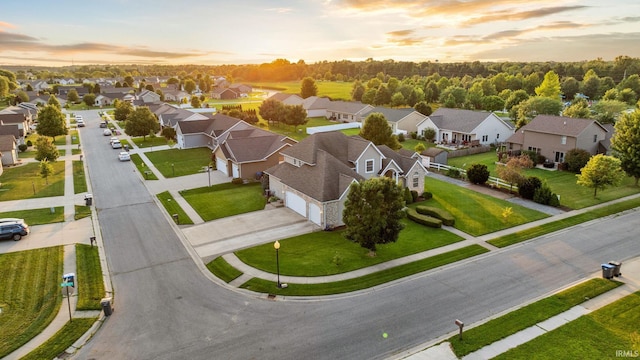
x=165 y=308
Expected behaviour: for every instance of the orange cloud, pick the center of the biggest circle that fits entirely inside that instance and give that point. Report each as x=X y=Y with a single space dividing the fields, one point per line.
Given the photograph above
x=508 y=15
x=4 y=24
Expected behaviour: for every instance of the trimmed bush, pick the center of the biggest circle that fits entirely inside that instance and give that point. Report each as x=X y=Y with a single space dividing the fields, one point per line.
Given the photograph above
x=237 y=181
x=423 y=219
x=23 y=147
x=528 y=187
x=408 y=198
x=437 y=213
x=427 y=195
x=414 y=195
x=478 y=174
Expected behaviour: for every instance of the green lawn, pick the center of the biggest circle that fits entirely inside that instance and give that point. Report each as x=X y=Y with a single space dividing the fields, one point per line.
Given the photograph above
x=29 y=154
x=336 y=90
x=562 y=183
x=221 y=268
x=180 y=162
x=81 y=211
x=149 y=141
x=60 y=140
x=37 y=216
x=329 y=252
x=62 y=340
x=599 y=335
x=143 y=168
x=79 y=181
x=25 y=182
x=29 y=294
x=367 y=281
x=173 y=207
x=89 y=280
x=499 y=328
x=225 y=200
x=410 y=144
x=476 y=213
x=300 y=132
x=75 y=139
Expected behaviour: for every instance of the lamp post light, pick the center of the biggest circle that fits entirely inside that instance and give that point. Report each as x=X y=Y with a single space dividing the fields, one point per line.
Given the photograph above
x=276 y=245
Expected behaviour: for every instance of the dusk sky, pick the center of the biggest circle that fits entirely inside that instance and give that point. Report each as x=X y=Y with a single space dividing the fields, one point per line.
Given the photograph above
x=213 y=32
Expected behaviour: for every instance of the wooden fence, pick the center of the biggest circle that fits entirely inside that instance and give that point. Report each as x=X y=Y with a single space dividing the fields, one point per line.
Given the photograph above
x=493 y=182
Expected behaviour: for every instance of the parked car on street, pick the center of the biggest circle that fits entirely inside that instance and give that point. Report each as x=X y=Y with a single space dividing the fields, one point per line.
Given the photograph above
x=13 y=230
x=103 y=124
x=4 y=220
x=107 y=132
x=124 y=156
x=116 y=144
x=80 y=122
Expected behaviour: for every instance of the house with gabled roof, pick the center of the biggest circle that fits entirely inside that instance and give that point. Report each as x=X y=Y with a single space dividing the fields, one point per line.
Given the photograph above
x=459 y=126
x=8 y=149
x=553 y=136
x=314 y=178
x=169 y=115
x=241 y=88
x=400 y=120
x=15 y=124
x=287 y=99
x=347 y=111
x=316 y=106
x=224 y=93
x=175 y=95
x=148 y=96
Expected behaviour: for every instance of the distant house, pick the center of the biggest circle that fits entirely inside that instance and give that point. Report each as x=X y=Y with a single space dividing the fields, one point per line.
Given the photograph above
x=241 y=88
x=314 y=178
x=457 y=126
x=400 y=120
x=14 y=124
x=434 y=155
x=347 y=111
x=224 y=93
x=169 y=115
x=175 y=95
x=553 y=136
x=8 y=149
x=287 y=99
x=316 y=106
x=148 y=96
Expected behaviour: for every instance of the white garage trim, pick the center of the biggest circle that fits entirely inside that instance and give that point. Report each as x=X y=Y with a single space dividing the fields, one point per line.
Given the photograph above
x=235 y=170
x=314 y=214
x=296 y=203
x=221 y=165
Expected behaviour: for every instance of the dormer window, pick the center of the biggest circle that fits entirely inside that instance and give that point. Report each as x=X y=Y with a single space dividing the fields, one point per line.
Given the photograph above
x=368 y=166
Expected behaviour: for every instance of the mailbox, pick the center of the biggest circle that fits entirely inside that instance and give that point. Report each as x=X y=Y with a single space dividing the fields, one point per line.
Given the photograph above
x=460 y=324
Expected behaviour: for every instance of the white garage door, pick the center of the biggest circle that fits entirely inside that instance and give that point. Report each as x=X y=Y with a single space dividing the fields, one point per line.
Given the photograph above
x=221 y=165
x=314 y=213
x=296 y=203
x=236 y=170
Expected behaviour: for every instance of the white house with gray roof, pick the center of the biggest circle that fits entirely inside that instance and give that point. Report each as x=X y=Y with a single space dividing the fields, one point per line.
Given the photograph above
x=458 y=126
x=400 y=120
x=347 y=111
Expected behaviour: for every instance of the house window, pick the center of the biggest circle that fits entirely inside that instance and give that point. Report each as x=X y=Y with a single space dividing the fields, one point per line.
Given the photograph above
x=485 y=138
x=368 y=166
x=595 y=138
x=416 y=179
x=498 y=136
x=563 y=140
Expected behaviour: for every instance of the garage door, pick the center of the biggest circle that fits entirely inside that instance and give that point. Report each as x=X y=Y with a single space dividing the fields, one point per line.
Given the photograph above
x=235 y=170
x=221 y=165
x=296 y=203
x=314 y=213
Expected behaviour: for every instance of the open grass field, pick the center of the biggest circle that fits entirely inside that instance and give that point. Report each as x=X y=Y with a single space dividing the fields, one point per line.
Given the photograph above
x=225 y=200
x=562 y=183
x=180 y=162
x=499 y=328
x=37 y=216
x=335 y=90
x=607 y=333
x=25 y=182
x=29 y=294
x=329 y=252
x=89 y=280
x=172 y=207
x=475 y=213
x=367 y=281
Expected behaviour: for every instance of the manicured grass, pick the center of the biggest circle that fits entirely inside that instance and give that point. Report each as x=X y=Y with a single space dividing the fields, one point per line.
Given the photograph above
x=224 y=200
x=29 y=294
x=60 y=140
x=598 y=335
x=143 y=168
x=367 y=281
x=79 y=180
x=476 y=213
x=410 y=143
x=125 y=142
x=29 y=154
x=221 y=268
x=81 y=211
x=547 y=228
x=75 y=139
x=300 y=132
x=562 y=183
x=336 y=90
x=499 y=328
x=37 y=216
x=180 y=162
x=173 y=207
x=149 y=141
x=89 y=281
x=329 y=252
x=62 y=340
x=25 y=182
x=350 y=132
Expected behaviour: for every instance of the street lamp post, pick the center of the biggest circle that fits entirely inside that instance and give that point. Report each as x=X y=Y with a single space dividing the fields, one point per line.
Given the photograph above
x=276 y=246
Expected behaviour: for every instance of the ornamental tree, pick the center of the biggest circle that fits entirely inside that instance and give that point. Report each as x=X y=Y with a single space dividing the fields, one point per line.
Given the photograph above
x=626 y=143
x=600 y=172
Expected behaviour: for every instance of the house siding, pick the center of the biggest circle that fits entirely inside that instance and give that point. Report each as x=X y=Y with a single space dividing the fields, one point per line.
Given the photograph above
x=495 y=130
x=585 y=139
x=369 y=154
x=410 y=123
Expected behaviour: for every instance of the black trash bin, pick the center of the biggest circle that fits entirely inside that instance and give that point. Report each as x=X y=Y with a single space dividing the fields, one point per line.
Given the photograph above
x=616 y=267
x=106 y=306
x=607 y=271
x=88 y=199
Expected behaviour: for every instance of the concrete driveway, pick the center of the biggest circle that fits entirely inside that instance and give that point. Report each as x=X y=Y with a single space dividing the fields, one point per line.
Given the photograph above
x=221 y=236
x=62 y=233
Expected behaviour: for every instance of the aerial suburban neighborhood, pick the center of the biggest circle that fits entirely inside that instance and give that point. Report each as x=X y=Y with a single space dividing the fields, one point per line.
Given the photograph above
x=187 y=200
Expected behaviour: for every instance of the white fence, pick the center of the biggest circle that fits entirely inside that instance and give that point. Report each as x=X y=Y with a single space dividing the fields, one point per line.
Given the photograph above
x=493 y=182
x=327 y=128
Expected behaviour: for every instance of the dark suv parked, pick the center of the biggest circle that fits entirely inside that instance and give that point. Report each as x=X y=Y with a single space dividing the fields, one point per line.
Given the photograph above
x=13 y=230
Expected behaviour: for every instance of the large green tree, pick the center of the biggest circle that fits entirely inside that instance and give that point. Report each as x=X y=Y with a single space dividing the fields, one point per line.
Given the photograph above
x=72 y=96
x=122 y=110
x=550 y=86
x=308 y=87
x=600 y=172
x=373 y=211
x=141 y=122
x=46 y=149
x=296 y=115
x=377 y=130
x=536 y=105
x=626 y=143
x=272 y=110
x=189 y=86
x=54 y=101
x=51 y=122
x=89 y=99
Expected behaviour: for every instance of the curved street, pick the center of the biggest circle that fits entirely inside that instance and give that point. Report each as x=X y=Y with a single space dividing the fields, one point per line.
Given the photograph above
x=167 y=305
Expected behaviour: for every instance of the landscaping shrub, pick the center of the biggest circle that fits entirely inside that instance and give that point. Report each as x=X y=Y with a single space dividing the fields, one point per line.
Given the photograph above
x=401 y=137
x=441 y=214
x=237 y=181
x=532 y=155
x=414 y=195
x=427 y=195
x=529 y=186
x=23 y=147
x=29 y=143
x=453 y=173
x=543 y=195
x=576 y=159
x=426 y=220
x=414 y=135
x=408 y=198
x=478 y=174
